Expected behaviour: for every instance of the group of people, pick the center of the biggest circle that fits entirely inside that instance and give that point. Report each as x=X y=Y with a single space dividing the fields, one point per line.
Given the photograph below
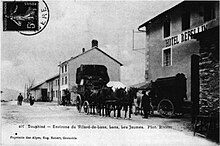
x=20 y=99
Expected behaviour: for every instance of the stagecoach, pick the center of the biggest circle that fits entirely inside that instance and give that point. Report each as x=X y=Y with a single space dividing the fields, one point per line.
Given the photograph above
x=168 y=95
x=95 y=96
x=89 y=79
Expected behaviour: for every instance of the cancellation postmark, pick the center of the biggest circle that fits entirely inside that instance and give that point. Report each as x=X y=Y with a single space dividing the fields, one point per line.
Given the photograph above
x=26 y=17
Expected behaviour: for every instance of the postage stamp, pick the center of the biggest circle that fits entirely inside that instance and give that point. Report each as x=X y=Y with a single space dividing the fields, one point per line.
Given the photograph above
x=20 y=15
x=26 y=17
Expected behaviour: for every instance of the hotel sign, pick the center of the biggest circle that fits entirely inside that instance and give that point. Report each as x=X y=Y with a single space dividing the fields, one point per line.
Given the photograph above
x=185 y=36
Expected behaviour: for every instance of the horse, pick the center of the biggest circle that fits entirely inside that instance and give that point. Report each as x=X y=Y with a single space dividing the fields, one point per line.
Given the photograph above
x=105 y=93
x=131 y=96
x=120 y=95
x=93 y=100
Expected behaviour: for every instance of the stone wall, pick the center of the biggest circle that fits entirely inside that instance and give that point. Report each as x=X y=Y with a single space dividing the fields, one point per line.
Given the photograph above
x=209 y=76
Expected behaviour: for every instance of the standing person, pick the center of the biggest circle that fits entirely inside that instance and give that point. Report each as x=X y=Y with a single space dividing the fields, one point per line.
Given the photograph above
x=151 y=96
x=31 y=100
x=68 y=97
x=20 y=99
x=146 y=104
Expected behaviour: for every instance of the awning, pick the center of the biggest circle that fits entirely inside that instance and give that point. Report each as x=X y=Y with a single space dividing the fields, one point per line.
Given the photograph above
x=142 y=86
x=116 y=84
x=138 y=85
x=146 y=86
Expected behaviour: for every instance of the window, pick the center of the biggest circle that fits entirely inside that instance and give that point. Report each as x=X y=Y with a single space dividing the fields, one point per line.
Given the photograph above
x=209 y=12
x=62 y=69
x=56 y=94
x=166 y=28
x=62 y=81
x=58 y=82
x=166 y=57
x=185 y=21
x=65 y=79
x=65 y=68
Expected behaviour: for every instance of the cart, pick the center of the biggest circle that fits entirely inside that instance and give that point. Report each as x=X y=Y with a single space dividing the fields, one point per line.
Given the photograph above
x=168 y=95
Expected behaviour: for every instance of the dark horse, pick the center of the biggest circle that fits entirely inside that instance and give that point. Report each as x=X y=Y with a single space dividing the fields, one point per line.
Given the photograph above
x=105 y=94
x=122 y=100
x=94 y=100
x=131 y=95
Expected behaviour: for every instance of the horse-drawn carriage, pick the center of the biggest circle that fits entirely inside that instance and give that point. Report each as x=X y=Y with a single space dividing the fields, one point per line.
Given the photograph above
x=90 y=80
x=168 y=94
x=94 y=94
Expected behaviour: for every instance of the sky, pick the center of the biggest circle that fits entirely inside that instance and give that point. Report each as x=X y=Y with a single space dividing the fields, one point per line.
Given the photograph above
x=72 y=26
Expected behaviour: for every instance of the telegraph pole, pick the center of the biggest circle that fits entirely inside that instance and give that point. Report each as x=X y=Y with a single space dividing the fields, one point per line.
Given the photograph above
x=59 y=95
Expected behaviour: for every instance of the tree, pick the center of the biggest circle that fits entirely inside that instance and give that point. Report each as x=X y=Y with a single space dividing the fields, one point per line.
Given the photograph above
x=29 y=85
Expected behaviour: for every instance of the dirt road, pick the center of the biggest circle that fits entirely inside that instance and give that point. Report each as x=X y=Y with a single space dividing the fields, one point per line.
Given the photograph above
x=49 y=124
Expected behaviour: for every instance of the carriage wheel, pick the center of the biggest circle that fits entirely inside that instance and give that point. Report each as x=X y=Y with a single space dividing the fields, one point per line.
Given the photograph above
x=86 y=107
x=79 y=103
x=166 y=108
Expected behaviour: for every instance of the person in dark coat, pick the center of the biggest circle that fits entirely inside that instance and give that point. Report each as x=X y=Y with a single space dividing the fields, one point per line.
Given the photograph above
x=67 y=97
x=146 y=104
x=32 y=100
x=20 y=99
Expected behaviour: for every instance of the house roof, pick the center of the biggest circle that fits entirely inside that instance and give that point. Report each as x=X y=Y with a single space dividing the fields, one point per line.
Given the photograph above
x=91 y=50
x=52 y=78
x=41 y=83
x=36 y=86
x=152 y=19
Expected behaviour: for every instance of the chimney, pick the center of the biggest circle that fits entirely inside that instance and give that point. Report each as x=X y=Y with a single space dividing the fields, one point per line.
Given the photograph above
x=94 y=43
x=83 y=50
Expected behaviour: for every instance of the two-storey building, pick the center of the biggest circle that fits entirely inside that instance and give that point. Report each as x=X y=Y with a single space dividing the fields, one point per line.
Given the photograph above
x=94 y=55
x=170 y=43
x=52 y=88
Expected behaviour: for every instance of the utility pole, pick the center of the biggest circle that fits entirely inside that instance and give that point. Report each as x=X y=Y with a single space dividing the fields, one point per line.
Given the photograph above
x=24 y=90
x=59 y=95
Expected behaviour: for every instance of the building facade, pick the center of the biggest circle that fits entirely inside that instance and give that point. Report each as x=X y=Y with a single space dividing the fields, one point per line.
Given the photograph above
x=52 y=88
x=94 y=55
x=40 y=92
x=170 y=42
x=47 y=90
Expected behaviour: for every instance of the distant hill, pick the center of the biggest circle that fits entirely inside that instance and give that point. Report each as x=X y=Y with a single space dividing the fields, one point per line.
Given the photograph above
x=9 y=94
